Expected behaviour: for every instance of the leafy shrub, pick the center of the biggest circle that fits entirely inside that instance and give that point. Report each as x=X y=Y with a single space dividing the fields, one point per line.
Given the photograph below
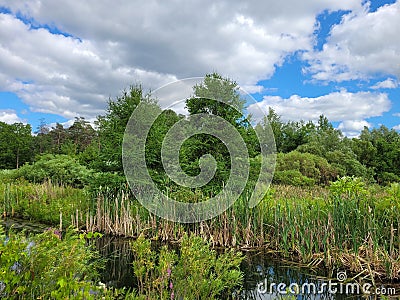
x=387 y=178
x=112 y=181
x=7 y=176
x=348 y=187
x=62 y=169
x=347 y=164
x=292 y=177
x=309 y=165
x=46 y=266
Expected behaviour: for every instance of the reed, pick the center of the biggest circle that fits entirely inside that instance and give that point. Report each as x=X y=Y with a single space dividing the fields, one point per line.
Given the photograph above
x=42 y=202
x=348 y=224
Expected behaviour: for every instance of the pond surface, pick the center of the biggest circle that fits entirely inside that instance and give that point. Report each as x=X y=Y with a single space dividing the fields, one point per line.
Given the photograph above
x=260 y=272
x=264 y=276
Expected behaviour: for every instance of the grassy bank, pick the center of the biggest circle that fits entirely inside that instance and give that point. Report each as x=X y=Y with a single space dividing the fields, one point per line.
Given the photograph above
x=47 y=202
x=347 y=225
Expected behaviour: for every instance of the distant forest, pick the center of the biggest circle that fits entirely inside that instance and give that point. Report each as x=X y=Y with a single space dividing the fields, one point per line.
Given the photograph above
x=308 y=153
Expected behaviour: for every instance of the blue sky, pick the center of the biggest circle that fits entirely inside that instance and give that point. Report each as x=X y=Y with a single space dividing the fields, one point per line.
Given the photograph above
x=338 y=58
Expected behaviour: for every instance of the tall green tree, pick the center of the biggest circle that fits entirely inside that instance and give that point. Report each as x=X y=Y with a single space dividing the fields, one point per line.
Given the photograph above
x=42 y=140
x=16 y=145
x=387 y=158
x=81 y=134
x=58 y=136
x=112 y=128
x=276 y=124
x=220 y=97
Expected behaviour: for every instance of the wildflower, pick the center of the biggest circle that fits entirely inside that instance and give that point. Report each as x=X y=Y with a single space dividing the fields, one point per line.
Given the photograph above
x=172 y=295
x=57 y=233
x=16 y=267
x=171 y=286
x=169 y=272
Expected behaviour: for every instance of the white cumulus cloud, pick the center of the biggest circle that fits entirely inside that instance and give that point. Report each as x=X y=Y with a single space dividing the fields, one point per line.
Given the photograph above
x=351 y=109
x=352 y=128
x=363 y=45
x=389 y=83
x=397 y=127
x=9 y=116
x=114 y=44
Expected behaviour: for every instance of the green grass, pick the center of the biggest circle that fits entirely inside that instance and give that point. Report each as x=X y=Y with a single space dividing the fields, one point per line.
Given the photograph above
x=43 y=202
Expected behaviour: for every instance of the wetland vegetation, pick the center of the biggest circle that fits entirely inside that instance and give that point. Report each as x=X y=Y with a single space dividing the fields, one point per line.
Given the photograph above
x=333 y=205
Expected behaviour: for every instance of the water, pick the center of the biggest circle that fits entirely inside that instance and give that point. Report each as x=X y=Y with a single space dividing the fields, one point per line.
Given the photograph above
x=260 y=272
x=264 y=276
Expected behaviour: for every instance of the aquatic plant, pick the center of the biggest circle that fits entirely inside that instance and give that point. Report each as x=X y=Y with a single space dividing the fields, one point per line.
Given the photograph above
x=197 y=272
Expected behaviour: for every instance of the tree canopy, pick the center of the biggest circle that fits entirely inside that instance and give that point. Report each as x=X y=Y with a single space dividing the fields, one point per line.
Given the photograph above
x=302 y=145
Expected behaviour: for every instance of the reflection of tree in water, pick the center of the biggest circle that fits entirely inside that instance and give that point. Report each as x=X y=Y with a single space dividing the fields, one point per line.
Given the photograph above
x=118 y=254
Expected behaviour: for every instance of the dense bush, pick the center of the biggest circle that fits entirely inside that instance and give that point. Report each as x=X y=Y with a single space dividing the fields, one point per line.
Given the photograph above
x=62 y=169
x=347 y=164
x=303 y=166
x=46 y=266
x=388 y=177
x=110 y=180
x=292 y=177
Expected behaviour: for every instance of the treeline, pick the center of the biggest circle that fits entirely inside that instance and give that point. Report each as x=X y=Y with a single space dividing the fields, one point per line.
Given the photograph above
x=308 y=153
x=374 y=155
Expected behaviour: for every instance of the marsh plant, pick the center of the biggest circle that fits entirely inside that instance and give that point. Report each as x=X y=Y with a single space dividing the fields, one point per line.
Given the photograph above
x=195 y=271
x=47 y=266
x=349 y=224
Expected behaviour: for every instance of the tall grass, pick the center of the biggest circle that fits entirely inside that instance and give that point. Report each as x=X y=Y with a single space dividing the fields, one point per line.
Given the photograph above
x=346 y=225
x=45 y=202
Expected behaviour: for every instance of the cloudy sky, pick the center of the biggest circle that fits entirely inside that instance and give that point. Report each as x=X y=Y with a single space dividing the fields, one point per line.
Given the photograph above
x=62 y=59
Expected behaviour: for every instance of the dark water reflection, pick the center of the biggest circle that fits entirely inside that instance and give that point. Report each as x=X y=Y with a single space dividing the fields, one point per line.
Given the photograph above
x=118 y=254
x=260 y=270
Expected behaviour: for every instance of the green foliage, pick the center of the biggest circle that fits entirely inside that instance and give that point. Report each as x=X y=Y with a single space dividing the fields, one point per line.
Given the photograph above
x=143 y=264
x=303 y=166
x=347 y=164
x=292 y=177
x=389 y=205
x=81 y=134
x=8 y=176
x=156 y=137
x=42 y=202
x=196 y=273
x=112 y=128
x=46 y=266
x=201 y=274
x=388 y=177
x=112 y=181
x=220 y=97
x=352 y=187
x=62 y=169
x=378 y=149
x=72 y=141
x=15 y=145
